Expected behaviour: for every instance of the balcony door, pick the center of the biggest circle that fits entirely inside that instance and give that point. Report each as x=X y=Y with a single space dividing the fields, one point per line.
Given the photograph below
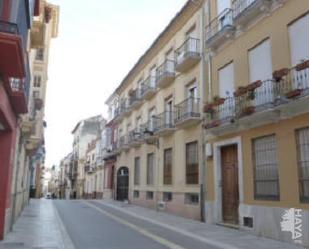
x=151 y=118
x=226 y=90
x=299 y=37
x=224 y=19
x=192 y=98
x=260 y=65
x=168 y=113
x=192 y=43
x=152 y=74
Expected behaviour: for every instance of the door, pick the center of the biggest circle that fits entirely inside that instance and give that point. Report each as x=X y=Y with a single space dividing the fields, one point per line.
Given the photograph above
x=230 y=195
x=122 y=184
x=168 y=119
x=192 y=99
x=152 y=118
x=226 y=90
x=224 y=19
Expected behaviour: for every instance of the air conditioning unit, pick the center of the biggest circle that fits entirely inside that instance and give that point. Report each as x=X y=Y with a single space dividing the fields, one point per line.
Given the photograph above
x=161 y=205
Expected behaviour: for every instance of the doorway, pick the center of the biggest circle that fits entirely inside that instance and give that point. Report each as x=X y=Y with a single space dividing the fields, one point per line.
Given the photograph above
x=230 y=192
x=122 y=184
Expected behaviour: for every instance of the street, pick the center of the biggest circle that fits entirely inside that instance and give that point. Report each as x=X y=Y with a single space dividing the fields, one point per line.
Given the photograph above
x=103 y=227
x=108 y=224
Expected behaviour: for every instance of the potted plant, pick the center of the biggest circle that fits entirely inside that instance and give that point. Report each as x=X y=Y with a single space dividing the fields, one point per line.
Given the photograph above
x=248 y=110
x=294 y=93
x=254 y=85
x=279 y=74
x=302 y=66
x=241 y=90
x=209 y=108
x=217 y=100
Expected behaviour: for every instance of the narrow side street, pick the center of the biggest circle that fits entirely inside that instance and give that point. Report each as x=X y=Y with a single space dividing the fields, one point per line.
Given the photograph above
x=110 y=225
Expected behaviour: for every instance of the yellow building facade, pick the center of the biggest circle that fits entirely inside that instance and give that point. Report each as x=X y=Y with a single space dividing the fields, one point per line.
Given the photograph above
x=212 y=121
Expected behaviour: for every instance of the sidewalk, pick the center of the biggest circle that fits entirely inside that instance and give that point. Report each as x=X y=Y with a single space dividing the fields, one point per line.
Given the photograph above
x=213 y=235
x=38 y=227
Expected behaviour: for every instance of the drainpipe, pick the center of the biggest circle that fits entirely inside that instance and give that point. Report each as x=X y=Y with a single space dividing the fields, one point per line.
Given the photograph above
x=202 y=169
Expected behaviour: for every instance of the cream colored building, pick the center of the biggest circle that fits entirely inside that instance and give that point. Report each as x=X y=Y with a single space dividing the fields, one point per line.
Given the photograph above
x=246 y=64
x=159 y=119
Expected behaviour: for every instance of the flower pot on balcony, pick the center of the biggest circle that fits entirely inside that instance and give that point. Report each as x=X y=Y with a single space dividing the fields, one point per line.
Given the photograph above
x=38 y=103
x=240 y=91
x=279 y=74
x=248 y=111
x=254 y=85
x=302 y=66
x=293 y=93
x=209 y=108
x=218 y=101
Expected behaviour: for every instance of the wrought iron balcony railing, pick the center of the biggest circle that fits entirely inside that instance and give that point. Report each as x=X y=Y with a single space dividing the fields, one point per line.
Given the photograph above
x=164 y=120
x=223 y=22
x=241 y=7
x=148 y=85
x=165 y=73
x=135 y=96
x=8 y=27
x=187 y=54
x=287 y=86
x=189 y=108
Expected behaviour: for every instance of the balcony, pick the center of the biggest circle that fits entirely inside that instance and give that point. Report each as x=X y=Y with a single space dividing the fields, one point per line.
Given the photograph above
x=12 y=50
x=148 y=130
x=245 y=11
x=136 y=138
x=37 y=34
x=26 y=127
x=220 y=29
x=135 y=100
x=148 y=89
x=123 y=143
x=188 y=55
x=111 y=151
x=165 y=73
x=262 y=102
x=126 y=108
x=188 y=113
x=88 y=168
x=18 y=92
x=118 y=116
x=164 y=123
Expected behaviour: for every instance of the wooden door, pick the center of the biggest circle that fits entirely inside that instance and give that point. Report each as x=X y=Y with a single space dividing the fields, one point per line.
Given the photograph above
x=230 y=195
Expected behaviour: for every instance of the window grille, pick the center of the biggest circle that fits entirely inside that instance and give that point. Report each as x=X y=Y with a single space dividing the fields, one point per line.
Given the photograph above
x=266 y=177
x=150 y=169
x=168 y=164
x=192 y=163
x=137 y=171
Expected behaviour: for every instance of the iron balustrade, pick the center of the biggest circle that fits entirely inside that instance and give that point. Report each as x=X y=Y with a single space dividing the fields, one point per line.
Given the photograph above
x=222 y=21
x=8 y=27
x=167 y=68
x=266 y=95
x=164 y=120
x=149 y=127
x=135 y=136
x=190 y=48
x=239 y=6
x=189 y=108
x=134 y=96
x=148 y=84
x=123 y=141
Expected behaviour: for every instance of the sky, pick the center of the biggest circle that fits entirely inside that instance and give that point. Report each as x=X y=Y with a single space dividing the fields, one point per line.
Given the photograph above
x=98 y=43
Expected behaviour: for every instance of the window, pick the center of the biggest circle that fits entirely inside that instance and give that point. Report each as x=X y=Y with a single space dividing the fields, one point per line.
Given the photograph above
x=39 y=54
x=260 y=66
x=191 y=198
x=136 y=171
x=37 y=81
x=299 y=36
x=192 y=163
x=150 y=169
x=167 y=196
x=135 y=194
x=266 y=178
x=168 y=164
x=302 y=139
x=168 y=117
x=149 y=195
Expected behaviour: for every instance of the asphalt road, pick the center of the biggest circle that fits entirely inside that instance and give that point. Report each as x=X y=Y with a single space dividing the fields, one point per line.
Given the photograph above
x=91 y=225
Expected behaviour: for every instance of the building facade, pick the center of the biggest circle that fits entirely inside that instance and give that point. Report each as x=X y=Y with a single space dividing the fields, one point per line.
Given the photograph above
x=257 y=114
x=212 y=121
